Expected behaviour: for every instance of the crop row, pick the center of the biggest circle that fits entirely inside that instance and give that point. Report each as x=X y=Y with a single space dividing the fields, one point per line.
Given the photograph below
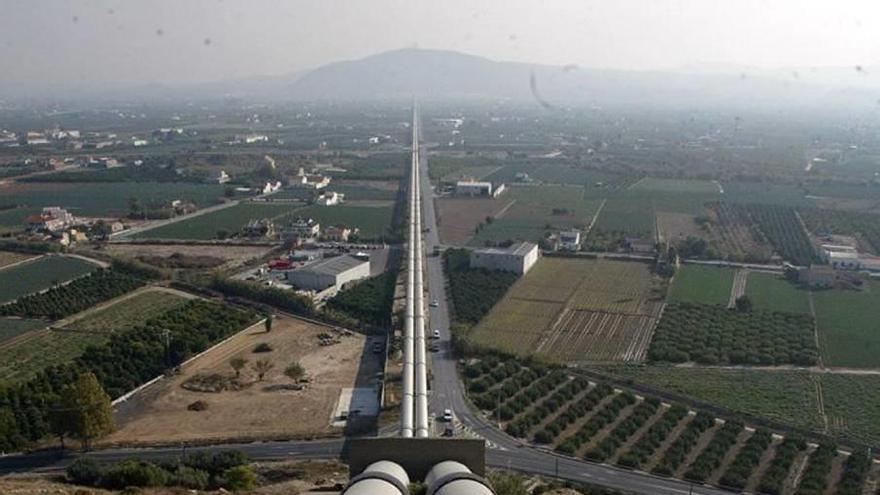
x=712 y=456
x=815 y=476
x=602 y=417
x=746 y=460
x=528 y=395
x=521 y=425
x=774 y=478
x=498 y=392
x=678 y=451
x=624 y=430
x=783 y=229
x=653 y=438
x=571 y=414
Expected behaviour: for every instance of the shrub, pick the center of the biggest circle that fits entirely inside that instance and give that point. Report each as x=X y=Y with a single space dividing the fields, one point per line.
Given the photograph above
x=238 y=478
x=262 y=347
x=198 y=405
x=84 y=471
x=134 y=473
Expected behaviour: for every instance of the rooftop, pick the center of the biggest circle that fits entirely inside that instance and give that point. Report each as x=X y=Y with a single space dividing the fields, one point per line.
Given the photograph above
x=519 y=249
x=333 y=266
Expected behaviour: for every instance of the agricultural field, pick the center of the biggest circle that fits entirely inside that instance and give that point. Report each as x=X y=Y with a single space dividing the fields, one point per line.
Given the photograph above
x=25 y=355
x=537 y=210
x=589 y=419
x=852 y=403
x=229 y=220
x=229 y=256
x=373 y=220
x=682 y=186
x=458 y=217
x=711 y=334
x=847 y=323
x=772 y=292
x=40 y=274
x=702 y=284
x=786 y=396
x=865 y=226
x=554 y=172
x=733 y=235
x=783 y=229
x=13 y=327
x=99 y=199
x=577 y=310
x=765 y=193
x=8 y=258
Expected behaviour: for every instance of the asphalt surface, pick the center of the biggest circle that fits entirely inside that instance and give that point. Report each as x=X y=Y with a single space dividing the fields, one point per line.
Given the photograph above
x=447 y=392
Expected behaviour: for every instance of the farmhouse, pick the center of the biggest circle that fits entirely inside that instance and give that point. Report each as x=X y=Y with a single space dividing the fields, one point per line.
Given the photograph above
x=305 y=181
x=301 y=230
x=329 y=272
x=569 y=241
x=51 y=219
x=330 y=199
x=518 y=258
x=259 y=228
x=338 y=233
x=473 y=188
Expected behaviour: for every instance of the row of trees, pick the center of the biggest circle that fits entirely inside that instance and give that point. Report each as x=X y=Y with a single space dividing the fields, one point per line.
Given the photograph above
x=474 y=291
x=710 y=334
x=653 y=438
x=711 y=457
x=126 y=360
x=527 y=396
x=746 y=460
x=573 y=412
x=78 y=295
x=815 y=476
x=678 y=451
x=546 y=408
x=286 y=300
x=774 y=477
x=602 y=417
x=781 y=226
x=625 y=429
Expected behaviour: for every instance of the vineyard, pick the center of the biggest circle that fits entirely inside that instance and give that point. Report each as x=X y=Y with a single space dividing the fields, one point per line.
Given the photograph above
x=577 y=417
x=709 y=334
x=783 y=229
x=577 y=310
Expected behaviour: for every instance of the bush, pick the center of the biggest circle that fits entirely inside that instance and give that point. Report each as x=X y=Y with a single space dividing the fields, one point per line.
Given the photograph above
x=134 y=473
x=187 y=477
x=238 y=478
x=198 y=405
x=262 y=347
x=84 y=471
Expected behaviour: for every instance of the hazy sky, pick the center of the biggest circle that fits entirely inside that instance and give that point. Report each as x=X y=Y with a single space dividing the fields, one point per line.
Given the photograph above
x=182 y=41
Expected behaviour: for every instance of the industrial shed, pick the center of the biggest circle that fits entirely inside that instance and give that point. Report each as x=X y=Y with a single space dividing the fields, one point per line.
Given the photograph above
x=329 y=272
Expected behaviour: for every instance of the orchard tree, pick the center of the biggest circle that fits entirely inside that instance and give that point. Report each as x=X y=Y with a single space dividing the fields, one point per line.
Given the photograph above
x=237 y=364
x=268 y=323
x=261 y=367
x=295 y=371
x=88 y=409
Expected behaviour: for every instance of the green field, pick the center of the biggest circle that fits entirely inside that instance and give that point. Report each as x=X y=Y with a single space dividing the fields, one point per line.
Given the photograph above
x=684 y=186
x=99 y=199
x=40 y=274
x=534 y=209
x=44 y=348
x=848 y=331
x=374 y=221
x=785 y=396
x=205 y=227
x=702 y=284
x=13 y=327
x=773 y=293
x=852 y=403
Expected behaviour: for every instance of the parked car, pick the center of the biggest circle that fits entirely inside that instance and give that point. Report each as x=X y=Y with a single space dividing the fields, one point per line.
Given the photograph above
x=447 y=415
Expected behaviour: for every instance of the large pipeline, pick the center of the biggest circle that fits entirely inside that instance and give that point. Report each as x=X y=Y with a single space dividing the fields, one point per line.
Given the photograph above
x=454 y=478
x=421 y=362
x=379 y=478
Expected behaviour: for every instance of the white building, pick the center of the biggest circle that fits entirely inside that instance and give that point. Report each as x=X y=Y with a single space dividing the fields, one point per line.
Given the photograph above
x=330 y=199
x=841 y=256
x=301 y=230
x=329 y=272
x=223 y=178
x=569 y=241
x=473 y=188
x=518 y=258
x=271 y=187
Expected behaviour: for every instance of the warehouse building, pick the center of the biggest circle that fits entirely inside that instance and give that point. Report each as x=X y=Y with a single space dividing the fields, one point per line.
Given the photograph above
x=518 y=258
x=329 y=272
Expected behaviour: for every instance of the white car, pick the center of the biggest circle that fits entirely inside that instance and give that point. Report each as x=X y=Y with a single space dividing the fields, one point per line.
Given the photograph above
x=447 y=415
x=436 y=333
x=434 y=303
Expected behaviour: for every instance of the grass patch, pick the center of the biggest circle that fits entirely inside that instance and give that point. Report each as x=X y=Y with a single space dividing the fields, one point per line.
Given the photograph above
x=39 y=275
x=230 y=220
x=702 y=284
x=13 y=327
x=772 y=292
x=852 y=403
x=374 y=221
x=847 y=322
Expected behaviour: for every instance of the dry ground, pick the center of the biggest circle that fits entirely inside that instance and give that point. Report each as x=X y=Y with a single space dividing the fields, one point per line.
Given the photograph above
x=676 y=227
x=234 y=255
x=7 y=258
x=160 y=415
x=460 y=216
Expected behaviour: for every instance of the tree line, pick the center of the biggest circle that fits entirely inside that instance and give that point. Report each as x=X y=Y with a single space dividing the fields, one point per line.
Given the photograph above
x=474 y=291
x=124 y=362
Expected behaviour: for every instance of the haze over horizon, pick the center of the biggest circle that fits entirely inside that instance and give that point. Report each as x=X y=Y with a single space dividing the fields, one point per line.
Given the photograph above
x=106 y=43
